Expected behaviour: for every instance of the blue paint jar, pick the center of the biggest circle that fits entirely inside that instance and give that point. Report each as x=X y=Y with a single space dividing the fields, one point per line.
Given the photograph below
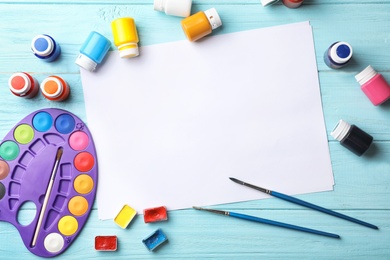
x=45 y=47
x=338 y=55
x=93 y=51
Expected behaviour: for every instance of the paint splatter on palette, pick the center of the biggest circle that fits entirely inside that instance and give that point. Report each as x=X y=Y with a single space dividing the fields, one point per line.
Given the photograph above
x=48 y=160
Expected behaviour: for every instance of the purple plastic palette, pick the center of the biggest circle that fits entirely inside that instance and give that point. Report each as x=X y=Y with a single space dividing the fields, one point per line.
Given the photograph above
x=48 y=159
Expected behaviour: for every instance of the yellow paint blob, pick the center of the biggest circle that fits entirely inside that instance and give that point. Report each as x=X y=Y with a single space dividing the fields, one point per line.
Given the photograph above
x=68 y=225
x=125 y=216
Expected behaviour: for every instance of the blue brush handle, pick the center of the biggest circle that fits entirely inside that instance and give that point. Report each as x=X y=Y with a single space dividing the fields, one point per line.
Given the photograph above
x=281 y=224
x=324 y=210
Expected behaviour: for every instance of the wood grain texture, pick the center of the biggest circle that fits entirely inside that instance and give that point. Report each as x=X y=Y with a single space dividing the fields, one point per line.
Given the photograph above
x=362 y=183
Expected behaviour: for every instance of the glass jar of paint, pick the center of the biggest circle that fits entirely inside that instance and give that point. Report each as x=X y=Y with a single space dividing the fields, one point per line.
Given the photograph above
x=352 y=137
x=292 y=3
x=180 y=8
x=55 y=88
x=373 y=85
x=268 y=2
x=201 y=24
x=45 y=47
x=125 y=37
x=338 y=55
x=23 y=85
x=93 y=51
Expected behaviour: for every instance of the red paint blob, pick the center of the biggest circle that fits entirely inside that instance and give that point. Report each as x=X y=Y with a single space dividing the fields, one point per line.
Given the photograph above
x=106 y=243
x=84 y=162
x=155 y=214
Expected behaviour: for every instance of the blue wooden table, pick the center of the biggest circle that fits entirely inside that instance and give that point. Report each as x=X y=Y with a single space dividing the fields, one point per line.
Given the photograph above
x=362 y=185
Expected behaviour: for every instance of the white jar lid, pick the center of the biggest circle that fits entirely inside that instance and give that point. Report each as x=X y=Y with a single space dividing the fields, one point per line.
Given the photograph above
x=268 y=2
x=85 y=62
x=42 y=45
x=341 y=52
x=340 y=130
x=131 y=52
x=159 y=5
x=19 y=83
x=365 y=75
x=52 y=80
x=213 y=17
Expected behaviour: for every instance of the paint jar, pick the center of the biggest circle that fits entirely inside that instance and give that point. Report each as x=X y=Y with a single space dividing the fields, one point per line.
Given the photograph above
x=201 y=24
x=45 y=47
x=125 y=37
x=292 y=3
x=268 y=2
x=338 y=55
x=352 y=137
x=55 y=88
x=93 y=51
x=373 y=85
x=180 y=8
x=23 y=85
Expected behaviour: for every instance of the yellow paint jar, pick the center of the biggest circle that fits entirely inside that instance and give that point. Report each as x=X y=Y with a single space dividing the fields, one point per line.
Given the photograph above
x=125 y=37
x=201 y=24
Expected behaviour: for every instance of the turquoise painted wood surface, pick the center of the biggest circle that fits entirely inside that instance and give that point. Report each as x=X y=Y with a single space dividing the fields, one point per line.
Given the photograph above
x=362 y=183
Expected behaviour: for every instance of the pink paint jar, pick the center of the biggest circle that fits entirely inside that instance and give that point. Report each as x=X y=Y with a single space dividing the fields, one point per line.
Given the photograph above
x=292 y=3
x=23 y=85
x=373 y=85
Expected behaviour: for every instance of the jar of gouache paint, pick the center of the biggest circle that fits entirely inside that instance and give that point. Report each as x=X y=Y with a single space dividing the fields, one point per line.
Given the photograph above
x=23 y=85
x=45 y=47
x=292 y=3
x=125 y=37
x=338 y=55
x=55 y=88
x=180 y=8
x=201 y=24
x=373 y=85
x=93 y=51
x=352 y=137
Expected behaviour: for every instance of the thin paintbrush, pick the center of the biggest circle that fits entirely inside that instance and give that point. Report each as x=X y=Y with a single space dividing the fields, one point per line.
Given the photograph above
x=304 y=203
x=269 y=222
x=47 y=196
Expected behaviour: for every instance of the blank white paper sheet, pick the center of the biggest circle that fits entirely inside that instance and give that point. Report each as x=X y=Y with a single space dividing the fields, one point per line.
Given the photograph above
x=172 y=125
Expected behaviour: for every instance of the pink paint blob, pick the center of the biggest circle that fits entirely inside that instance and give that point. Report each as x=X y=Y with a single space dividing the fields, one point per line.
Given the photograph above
x=78 y=141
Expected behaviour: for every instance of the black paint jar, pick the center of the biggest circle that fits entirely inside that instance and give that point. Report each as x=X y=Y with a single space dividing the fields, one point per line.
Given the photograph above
x=352 y=137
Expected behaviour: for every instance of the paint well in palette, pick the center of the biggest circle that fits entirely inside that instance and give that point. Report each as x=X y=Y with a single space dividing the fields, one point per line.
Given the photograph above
x=64 y=195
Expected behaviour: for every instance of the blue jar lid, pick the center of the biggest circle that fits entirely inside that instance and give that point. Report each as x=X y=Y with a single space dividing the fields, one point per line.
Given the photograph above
x=341 y=52
x=42 y=45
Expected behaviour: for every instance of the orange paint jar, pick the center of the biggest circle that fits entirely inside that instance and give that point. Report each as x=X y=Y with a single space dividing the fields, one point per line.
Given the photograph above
x=55 y=88
x=201 y=24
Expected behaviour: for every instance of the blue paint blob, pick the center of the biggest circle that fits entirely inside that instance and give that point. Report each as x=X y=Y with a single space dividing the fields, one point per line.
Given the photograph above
x=155 y=240
x=65 y=124
x=42 y=121
x=343 y=51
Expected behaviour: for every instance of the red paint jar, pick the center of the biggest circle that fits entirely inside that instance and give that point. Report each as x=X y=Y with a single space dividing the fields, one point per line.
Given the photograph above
x=292 y=3
x=23 y=85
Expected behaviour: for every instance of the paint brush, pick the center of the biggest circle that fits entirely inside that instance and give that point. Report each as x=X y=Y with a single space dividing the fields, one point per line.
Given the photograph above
x=304 y=203
x=47 y=195
x=269 y=222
